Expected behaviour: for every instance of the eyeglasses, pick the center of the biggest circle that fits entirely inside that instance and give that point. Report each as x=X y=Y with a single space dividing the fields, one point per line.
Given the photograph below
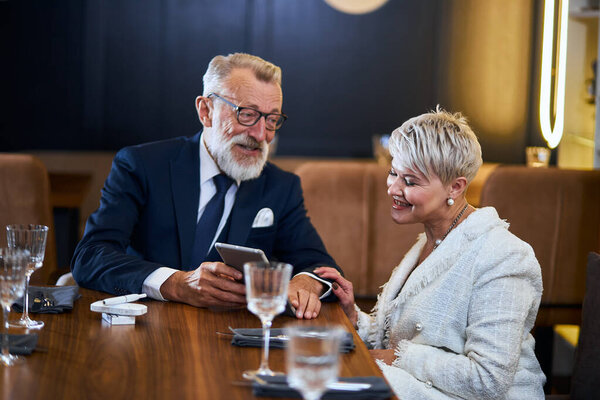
x=249 y=116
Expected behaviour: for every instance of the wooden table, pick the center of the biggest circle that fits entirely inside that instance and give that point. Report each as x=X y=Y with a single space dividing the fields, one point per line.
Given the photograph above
x=172 y=352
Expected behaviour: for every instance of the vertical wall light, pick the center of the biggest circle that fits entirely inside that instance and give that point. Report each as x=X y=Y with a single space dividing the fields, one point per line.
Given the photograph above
x=554 y=63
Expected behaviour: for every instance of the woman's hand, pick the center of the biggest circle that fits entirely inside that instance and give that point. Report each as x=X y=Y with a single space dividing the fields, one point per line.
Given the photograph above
x=342 y=288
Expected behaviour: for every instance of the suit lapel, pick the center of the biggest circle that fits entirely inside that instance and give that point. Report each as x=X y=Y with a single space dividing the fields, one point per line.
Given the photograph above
x=185 y=188
x=247 y=203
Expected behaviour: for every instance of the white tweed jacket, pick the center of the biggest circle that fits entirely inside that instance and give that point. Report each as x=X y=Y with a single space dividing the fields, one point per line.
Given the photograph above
x=460 y=324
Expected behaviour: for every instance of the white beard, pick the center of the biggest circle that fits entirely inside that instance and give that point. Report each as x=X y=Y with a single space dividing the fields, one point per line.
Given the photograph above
x=221 y=147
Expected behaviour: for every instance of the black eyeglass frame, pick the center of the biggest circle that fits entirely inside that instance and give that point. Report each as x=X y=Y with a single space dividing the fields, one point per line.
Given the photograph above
x=261 y=114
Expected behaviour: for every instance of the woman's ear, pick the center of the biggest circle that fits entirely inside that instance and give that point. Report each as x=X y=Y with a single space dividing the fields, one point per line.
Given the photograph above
x=458 y=187
x=204 y=109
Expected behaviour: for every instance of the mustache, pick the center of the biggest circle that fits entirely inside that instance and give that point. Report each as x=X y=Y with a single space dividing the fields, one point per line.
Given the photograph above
x=248 y=141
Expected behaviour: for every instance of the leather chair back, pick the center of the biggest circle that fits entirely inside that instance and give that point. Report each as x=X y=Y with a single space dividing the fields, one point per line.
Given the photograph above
x=584 y=383
x=25 y=199
x=346 y=203
x=557 y=212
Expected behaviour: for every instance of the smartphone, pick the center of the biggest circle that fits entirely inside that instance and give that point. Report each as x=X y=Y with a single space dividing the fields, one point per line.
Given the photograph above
x=236 y=256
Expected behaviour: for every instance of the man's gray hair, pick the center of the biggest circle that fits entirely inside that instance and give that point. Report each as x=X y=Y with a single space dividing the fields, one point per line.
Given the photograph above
x=437 y=142
x=220 y=67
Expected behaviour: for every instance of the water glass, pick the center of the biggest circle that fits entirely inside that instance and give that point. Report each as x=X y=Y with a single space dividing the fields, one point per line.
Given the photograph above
x=381 y=150
x=32 y=238
x=266 y=293
x=537 y=156
x=13 y=270
x=312 y=358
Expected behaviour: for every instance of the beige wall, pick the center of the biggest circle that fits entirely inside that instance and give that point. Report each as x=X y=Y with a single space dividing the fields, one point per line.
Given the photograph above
x=485 y=64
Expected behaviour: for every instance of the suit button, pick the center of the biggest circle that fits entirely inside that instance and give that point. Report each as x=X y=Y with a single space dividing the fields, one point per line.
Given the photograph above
x=429 y=384
x=419 y=327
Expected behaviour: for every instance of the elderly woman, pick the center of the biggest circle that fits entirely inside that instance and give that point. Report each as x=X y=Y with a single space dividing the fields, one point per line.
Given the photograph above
x=454 y=319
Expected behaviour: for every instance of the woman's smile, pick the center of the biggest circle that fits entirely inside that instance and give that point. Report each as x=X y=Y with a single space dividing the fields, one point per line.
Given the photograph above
x=399 y=204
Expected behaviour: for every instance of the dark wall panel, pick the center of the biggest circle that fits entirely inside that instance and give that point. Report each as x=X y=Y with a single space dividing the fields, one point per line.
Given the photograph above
x=194 y=34
x=144 y=65
x=347 y=77
x=100 y=75
x=133 y=65
x=41 y=90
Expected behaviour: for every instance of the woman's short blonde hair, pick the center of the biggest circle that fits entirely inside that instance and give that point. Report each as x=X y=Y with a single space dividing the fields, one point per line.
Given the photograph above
x=437 y=142
x=220 y=67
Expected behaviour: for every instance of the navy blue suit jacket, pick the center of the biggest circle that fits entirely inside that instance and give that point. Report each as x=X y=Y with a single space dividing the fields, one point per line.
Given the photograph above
x=148 y=212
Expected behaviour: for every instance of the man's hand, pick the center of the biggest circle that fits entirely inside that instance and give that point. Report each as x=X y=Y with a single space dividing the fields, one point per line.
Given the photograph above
x=212 y=284
x=385 y=355
x=304 y=293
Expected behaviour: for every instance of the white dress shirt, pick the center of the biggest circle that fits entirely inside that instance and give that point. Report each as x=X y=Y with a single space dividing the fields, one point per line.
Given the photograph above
x=208 y=170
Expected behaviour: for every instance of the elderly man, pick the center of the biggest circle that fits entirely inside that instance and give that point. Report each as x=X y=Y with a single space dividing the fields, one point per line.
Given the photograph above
x=165 y=204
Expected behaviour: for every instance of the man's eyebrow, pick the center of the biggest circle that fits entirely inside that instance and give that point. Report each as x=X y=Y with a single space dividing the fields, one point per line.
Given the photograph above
x=274 y=110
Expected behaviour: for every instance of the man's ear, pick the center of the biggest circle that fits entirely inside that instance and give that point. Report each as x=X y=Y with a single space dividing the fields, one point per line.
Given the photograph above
x=204 y=109
x=458 y=186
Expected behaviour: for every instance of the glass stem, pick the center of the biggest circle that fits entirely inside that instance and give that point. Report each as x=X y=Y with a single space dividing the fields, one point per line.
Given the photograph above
x=25 y=316
x=266 y=328
x=5 y=349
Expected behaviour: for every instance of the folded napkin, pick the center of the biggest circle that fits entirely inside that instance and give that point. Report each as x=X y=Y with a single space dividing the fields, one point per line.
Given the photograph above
x=22 y=344
x=277 y=386
x=49 y=300
x=254 y=338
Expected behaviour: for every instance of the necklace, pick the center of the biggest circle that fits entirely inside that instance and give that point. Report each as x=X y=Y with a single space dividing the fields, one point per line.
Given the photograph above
x=460 y=214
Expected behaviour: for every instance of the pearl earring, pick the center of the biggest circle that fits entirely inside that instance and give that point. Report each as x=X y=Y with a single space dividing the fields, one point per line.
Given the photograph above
x=450 y=201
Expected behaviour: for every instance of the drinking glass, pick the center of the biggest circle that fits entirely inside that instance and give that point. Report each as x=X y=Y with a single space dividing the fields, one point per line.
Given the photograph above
x=266 y=293
x=537 y=156
x=32 y=238
x=312 y=358
x=381 y=150
x=13 y=269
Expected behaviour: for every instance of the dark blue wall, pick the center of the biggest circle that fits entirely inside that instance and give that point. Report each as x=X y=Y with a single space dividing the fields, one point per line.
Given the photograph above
x=103 y=74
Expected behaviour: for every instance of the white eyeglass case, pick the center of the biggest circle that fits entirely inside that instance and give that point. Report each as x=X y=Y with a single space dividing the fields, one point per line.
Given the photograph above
x=119 y=314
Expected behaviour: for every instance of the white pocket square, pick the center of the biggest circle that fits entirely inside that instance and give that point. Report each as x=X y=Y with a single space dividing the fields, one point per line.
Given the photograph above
x=263 y=218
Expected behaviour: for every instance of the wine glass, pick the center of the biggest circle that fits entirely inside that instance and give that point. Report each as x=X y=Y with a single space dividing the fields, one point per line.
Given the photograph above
x=32 y=238
x=266 y=293
x=13 y=270
x=312 y=358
